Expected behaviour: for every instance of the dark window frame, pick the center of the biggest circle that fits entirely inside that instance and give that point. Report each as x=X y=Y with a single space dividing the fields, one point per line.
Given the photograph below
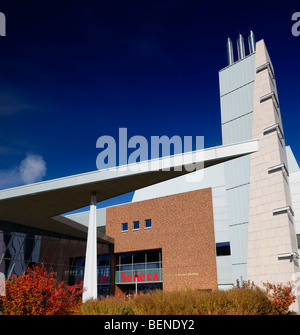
x=223 y=249
x=146 y=221
x=134 y=225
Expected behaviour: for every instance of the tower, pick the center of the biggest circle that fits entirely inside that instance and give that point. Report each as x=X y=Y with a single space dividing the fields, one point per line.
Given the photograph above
x=236 y=98
x=272 y=244
x=261 y=217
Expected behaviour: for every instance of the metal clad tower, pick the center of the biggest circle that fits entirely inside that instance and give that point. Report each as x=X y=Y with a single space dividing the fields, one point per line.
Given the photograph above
x=236 y=98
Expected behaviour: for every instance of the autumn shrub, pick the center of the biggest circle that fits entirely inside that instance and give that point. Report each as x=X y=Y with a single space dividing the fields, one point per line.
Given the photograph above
x=238 y=301
x=164 y=303
x=37 y=292
x=249 y=299
x=281 y=296
x=114 y=305
x=195 y=302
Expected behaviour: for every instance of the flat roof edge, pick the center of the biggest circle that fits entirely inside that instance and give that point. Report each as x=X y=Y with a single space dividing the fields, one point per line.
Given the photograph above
x=76 y=225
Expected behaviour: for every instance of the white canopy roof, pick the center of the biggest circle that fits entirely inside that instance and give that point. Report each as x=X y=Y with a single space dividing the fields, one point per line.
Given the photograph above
x=41 y=204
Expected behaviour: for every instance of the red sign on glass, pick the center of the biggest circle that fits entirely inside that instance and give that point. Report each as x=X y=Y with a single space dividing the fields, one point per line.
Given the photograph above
x=142 y=277
x=101 y=280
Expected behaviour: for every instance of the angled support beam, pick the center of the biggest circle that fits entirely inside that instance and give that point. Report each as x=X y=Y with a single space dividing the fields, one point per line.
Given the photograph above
x=272 y=128
x=266 y=66
x=286 y=209
x=278 y=167
x=272 y=96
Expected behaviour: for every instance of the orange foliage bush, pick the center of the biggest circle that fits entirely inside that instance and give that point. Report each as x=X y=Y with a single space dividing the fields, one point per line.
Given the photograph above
x=38 y=292
x=281 y=296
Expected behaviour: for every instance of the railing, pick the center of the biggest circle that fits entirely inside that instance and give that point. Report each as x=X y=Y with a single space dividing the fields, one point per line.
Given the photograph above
x=139 y=266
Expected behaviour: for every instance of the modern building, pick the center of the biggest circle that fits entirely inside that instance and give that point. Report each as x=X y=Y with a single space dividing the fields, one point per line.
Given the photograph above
x=237 y=218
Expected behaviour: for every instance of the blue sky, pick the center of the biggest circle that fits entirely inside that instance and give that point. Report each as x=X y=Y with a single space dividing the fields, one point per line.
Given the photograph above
x=72 y=71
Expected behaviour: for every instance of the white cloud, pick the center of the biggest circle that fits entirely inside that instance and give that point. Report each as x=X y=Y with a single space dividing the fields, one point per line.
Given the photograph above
x=31 y=170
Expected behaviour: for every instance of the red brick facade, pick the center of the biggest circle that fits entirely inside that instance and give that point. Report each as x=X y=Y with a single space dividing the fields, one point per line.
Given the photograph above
x=182 y=226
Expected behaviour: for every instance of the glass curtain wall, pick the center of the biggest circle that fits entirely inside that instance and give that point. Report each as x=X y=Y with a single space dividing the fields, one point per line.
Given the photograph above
x=22 y=247
x=145 y=266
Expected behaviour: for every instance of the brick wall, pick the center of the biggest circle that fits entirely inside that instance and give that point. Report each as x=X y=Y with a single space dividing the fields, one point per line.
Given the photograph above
x=182 y=226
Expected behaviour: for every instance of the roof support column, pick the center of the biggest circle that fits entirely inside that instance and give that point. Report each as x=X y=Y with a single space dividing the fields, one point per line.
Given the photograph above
x=90 y=269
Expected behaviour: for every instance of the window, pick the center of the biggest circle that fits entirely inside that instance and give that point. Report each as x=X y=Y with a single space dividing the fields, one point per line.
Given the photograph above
x=103 y=260
x=148 y=223
x=124 y=226
x=223 y=249
x=139 y=260
x=298 y=240
x=125 y=258
x=136 y=225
